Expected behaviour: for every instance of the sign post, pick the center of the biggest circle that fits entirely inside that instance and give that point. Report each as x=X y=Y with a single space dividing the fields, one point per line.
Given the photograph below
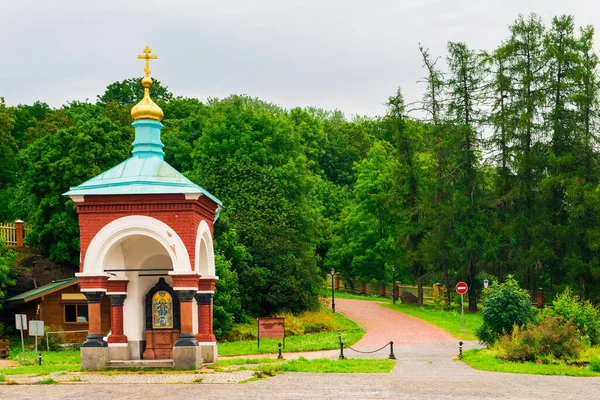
x=36 y=329
x=462 y=288
x=21 y=325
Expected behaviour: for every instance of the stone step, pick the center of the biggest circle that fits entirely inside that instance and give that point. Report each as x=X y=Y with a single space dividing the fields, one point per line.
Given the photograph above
x=140 y=364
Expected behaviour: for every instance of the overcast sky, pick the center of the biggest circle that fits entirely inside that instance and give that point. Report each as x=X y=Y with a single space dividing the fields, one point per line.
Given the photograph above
x=348 y=55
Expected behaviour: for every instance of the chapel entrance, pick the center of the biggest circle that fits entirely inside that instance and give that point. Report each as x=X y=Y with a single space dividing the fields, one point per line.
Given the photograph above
x=162 y=321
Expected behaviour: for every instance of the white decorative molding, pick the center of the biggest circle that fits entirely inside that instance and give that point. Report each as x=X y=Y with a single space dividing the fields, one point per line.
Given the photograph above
x=204 y=259
x=77 y=198
x=120 y=229
x=192 y=196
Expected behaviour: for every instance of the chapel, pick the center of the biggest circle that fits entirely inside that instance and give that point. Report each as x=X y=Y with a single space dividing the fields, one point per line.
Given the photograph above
x=146 y=234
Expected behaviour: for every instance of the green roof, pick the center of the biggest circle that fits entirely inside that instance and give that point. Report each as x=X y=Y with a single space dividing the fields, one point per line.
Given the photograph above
x=42 y=290
x=146 y=172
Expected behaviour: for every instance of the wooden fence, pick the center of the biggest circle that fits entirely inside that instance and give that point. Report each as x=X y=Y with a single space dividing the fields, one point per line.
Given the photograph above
x=13 y=233
x=382 y=290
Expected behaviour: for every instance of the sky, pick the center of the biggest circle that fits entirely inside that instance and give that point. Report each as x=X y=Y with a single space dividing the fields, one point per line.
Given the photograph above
x=338 y=55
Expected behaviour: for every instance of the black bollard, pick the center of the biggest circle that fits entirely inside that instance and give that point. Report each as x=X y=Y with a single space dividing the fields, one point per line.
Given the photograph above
x=342 y=351
x=40 y=359
x=339 y=335
x=460 y=350
x=280 y=355
x=392 y=356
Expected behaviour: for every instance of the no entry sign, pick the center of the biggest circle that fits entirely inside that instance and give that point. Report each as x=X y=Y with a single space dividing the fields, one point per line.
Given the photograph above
x=461 y=288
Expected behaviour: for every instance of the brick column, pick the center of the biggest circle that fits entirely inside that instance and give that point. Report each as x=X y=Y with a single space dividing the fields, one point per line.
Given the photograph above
x=205 y=317
x=19 y=232
x=116 y=289
x=186 y=337
x=116 y=318
x=94 y=338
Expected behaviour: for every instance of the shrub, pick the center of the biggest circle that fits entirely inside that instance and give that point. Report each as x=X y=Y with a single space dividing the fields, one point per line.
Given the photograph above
x=293 y=324
x=582 y=313
x=56 y=341
x=595 y=363
x=315 y=321
x=504 y=306
x=553 y=338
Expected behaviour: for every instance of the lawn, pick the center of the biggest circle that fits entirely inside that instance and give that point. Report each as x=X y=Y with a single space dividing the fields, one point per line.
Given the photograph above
x=486 y=360
x=352 y=296
x=52 y=361
x=351 y=332
x=450 y=321
x=326 y=365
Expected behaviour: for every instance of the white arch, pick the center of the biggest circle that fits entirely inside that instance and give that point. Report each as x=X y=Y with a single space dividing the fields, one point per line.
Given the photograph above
x=204 y=259
x=119 y=229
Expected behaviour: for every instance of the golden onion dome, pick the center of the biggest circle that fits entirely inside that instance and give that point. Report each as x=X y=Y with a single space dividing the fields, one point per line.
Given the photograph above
x=146 y=108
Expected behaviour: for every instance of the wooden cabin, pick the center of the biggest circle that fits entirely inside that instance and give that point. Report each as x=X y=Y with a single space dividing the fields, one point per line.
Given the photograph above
x=61 y=306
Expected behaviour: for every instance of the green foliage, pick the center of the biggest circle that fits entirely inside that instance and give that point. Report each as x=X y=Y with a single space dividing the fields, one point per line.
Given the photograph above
x=552 y=339
x=595 y=363
x=55 y=341
x=129 y=91
x=227 y=306
x=580 y=312
x=7 y=273
x=505 y=305
x=88 y=144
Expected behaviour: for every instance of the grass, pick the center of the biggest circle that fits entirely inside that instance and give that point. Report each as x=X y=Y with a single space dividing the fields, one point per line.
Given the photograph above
x=47 y=381
x=244 y=361
x=486 y=360
x=450 y=321
x=326 y=365
x=351 y=331
x=53 y=361
x=352 y=296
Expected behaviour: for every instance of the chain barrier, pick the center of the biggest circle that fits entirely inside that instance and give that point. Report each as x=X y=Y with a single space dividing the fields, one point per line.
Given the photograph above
x=368 y=352
x=342 y=357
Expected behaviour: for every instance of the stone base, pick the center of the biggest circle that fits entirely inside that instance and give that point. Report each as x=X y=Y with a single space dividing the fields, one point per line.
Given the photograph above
x=136 y=349
x=94 y=358
x=119 y=351
x=208 y=351
x=187 y=357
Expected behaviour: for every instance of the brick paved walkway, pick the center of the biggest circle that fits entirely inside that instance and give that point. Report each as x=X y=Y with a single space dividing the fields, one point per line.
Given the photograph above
x=383 y=325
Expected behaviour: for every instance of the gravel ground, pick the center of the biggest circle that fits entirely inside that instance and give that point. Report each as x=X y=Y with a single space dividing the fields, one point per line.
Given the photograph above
x=423 y=371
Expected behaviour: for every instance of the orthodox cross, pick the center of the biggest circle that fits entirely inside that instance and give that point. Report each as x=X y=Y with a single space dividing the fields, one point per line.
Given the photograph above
x=147 y=56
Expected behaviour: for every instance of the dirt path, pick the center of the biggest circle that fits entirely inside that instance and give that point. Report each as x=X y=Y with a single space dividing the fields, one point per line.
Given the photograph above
x=383 y=325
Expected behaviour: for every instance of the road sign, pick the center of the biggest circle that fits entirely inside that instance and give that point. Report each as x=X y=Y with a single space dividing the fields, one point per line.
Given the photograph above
x=21 y=321
x=461 y=288
x=36 y=328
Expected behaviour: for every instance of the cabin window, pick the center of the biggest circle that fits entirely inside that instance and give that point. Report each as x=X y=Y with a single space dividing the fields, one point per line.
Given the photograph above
x=76 y=313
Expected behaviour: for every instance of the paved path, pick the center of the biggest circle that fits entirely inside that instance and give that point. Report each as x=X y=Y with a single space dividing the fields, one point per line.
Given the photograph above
x=423 y=371
x=383 y=325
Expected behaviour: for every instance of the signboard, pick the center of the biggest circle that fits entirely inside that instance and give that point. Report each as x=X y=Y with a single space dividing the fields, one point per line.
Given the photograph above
x=271 y=328
x=21 y=322
x=461 y=288
x=36 y=328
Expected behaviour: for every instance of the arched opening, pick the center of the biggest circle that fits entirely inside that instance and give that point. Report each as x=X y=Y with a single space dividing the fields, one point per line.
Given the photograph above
x=205 y=259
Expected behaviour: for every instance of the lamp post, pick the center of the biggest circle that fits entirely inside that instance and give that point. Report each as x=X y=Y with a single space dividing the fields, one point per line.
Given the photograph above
x=332 y=291
x=393 y=284
x=485 y=283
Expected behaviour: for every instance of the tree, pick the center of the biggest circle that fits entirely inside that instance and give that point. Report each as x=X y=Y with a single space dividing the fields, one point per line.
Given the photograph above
x=130 y=91
x=59 y=160
x=7 y=274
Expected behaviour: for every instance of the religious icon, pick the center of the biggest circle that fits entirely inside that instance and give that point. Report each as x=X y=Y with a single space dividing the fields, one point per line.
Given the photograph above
x=162 y=310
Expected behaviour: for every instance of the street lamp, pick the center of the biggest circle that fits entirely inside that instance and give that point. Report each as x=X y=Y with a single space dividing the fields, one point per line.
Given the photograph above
x=393 y=284
x=332 y=291
x=485 y=283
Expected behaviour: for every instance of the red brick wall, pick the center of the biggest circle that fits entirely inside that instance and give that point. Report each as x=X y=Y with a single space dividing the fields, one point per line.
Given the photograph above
x=183 y=216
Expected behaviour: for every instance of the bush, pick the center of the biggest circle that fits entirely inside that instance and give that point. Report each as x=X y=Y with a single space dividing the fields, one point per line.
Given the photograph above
x=56 y=341
x=504 y=306
x=582 y=313
x=552 y=339
x=595 y=363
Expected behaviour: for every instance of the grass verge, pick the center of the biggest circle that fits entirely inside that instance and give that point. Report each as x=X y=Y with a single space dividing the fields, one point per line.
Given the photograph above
x=450 y=321
x=352 y=296
x=53 y=361
x=326 y=365
x=351 y=331
x=486 y=360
